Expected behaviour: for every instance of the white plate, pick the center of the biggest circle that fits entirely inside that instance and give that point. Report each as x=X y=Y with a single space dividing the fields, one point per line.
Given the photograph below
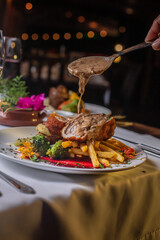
x=8 y=136
x=97 y=108
x=93 y=108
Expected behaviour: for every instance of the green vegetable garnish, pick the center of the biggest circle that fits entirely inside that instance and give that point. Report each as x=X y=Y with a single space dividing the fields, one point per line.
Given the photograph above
x=40 y=144
x=72 y=107
x=57 y=151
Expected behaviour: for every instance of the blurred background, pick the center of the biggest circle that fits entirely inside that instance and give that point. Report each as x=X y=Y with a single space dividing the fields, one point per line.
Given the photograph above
x=54 y=33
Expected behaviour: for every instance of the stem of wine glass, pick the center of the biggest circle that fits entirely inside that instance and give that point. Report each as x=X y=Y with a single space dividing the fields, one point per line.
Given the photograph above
x=2 y=52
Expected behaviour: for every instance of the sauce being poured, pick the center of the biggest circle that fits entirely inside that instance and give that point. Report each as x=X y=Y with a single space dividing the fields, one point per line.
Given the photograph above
x=84 y=68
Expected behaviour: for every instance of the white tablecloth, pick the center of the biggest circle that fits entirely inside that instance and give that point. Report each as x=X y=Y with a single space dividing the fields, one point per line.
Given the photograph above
x=49 y=185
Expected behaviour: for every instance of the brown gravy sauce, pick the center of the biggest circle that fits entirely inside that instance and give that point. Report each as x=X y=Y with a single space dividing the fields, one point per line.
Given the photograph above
x=84 y=68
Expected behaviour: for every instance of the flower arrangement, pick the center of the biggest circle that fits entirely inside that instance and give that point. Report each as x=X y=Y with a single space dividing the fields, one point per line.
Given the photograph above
x=33 y=102
x=14 y=96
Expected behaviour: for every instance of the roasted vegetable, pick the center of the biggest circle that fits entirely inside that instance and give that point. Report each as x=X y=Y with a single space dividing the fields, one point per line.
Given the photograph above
x=40 y=144
x=72 y=107
x=57 y=151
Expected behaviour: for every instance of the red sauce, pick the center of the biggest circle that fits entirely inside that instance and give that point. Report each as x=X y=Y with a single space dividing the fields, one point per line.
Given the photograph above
x=74 y=162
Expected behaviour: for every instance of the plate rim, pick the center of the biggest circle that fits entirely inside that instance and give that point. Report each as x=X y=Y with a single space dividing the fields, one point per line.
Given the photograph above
x=66 y=170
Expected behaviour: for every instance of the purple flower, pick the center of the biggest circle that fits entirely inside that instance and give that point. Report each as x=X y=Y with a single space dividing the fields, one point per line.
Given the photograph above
x=33 y=102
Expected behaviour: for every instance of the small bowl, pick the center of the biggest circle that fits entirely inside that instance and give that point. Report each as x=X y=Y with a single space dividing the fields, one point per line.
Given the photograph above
x=18 y=117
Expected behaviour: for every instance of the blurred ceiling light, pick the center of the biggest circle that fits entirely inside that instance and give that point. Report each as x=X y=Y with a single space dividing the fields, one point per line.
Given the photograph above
x=68 y=14
x=29 y=6
x=67 y=36
x=129 y=11
x=122 y=29
x=34 y=36
x=56 y=36
x=93 y=24
x=118 y=59
x=13 y=45
x=79 y=35
x=103 y=33
x=90 y=34
x=45 y=36
x=24 y=36
x=81 y=19
x=118 y=47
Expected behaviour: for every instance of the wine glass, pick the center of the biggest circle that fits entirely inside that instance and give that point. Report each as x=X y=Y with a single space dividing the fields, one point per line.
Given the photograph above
x=2 y=52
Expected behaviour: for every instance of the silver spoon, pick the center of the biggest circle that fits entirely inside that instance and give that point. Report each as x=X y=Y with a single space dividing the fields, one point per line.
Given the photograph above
x=88 y=66
x=133 y=48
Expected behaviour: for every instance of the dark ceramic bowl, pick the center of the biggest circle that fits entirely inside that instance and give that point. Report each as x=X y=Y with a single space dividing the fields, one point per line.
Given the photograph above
x=17 y=118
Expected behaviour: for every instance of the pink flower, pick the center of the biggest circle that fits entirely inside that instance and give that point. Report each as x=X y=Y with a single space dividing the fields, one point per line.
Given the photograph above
x=24 y=103
x=38 y=102
x=33 y=102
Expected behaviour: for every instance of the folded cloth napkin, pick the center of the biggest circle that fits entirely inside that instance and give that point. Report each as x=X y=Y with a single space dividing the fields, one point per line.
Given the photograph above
x=124 y=205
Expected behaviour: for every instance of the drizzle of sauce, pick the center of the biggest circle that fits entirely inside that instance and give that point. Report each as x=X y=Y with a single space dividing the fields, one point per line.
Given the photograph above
x=84 y=68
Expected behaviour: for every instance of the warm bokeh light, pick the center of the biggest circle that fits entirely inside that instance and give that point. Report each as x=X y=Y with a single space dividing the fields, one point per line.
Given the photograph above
x=29 y=6
x=67 y=36
x=45 y=36
x=81 y=19
x=15 y=57
x=79 y=35
x=122 y=29
x=129 y=11
x=68 y=14
x=24 y=36
x=34 y=36
x=56 y=36
x=93 y=24
x=103 y=33
x=118 y=47
x=13 y=44
x=118 y=59
x=90 y=34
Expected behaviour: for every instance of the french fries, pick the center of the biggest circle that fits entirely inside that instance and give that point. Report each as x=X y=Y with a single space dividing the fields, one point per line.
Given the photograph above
x=79 y=152
x=92 y=154
x=119 y=157
x=101 y=153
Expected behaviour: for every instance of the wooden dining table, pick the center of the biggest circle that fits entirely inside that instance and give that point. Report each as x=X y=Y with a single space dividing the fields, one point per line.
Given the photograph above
x=118 y=205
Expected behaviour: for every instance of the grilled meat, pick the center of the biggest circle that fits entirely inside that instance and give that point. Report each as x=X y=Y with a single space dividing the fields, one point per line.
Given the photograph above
x=89 y=126
x=52 y=127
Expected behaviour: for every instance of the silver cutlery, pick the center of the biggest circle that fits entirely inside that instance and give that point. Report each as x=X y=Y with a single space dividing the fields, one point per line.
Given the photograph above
x=151 y=150
x=21 y=187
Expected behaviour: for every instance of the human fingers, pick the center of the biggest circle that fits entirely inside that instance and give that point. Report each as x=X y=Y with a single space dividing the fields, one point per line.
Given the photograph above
x=156 y=44
x=154 y=30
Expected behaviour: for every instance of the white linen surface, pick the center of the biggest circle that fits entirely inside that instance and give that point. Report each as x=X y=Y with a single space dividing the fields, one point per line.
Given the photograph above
x=49 y=185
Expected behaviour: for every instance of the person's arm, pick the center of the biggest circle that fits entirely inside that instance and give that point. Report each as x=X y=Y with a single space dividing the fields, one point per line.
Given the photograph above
x=154 y=33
